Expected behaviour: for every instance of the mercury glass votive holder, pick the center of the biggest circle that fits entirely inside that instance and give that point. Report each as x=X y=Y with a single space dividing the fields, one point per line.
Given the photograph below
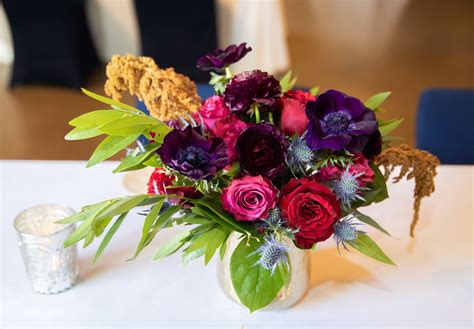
x=51 y=267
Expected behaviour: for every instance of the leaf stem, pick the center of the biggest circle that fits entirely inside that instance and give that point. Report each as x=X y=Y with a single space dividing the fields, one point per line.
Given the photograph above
x=270 y=117
x=257 y=113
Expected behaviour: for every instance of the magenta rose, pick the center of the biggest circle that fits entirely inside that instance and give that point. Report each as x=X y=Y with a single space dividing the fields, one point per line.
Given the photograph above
x=249 y=198
x=229 y=130
x=293 y=117
x=213 y=110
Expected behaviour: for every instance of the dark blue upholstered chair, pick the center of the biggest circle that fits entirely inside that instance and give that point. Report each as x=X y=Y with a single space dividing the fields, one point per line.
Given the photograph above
x=445 y=124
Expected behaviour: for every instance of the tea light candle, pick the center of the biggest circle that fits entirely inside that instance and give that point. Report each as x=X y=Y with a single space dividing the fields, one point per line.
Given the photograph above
x=51 y=267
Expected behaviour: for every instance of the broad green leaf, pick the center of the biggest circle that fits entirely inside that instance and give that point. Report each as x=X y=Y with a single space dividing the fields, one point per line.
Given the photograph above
x=110 y=146
x=99 y=225
x=80 y=133
x=377 y=100
x=79 y=233
x=110 y=101
x=287 y=82
x=388 y=126
x=97 y=118
x=105 y=241
x=171 y=246
x=129 y=125
x=255 y=286
x=379 y=183
x=215 y=240
x=121 y=206
x=369 y=221
x=368 y=247
x=134 y=160
x=285 y=274
x=314 y=91
x=203 y=211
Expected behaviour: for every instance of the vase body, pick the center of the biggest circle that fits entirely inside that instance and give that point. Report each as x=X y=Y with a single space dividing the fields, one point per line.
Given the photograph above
x=287 y=296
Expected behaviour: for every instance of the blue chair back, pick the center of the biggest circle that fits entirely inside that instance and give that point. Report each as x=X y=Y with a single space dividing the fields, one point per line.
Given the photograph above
x=445 y=124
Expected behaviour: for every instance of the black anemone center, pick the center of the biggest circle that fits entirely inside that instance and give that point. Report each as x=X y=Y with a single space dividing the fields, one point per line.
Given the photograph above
x=337 y=122
x=195 y=156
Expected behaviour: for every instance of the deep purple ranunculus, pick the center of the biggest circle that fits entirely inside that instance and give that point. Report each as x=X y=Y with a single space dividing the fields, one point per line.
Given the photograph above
x=339 y=122
x=220 y=58
x=373 y=146
x=262 y=149
x=193 y=155
x=251 y=87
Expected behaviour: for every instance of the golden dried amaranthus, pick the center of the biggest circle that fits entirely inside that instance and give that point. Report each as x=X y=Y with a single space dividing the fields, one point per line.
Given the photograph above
x=414 y=163
x=167 y=94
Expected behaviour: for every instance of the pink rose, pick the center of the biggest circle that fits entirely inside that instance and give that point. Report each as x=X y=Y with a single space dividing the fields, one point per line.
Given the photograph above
x=213 y=110
x=359 y=165
x=293 y=116
x=249 y=198
x=229 y=130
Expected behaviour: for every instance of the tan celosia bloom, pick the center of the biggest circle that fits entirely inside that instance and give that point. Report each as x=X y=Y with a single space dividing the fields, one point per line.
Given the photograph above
x=167 y=94
x=414 y=163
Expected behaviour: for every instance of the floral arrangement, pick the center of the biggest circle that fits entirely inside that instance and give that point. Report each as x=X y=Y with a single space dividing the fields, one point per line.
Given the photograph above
x=258 y=159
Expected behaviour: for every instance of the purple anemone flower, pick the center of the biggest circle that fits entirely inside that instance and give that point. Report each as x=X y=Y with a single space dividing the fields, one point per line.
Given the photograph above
x=191 y=154
x=218 y=59
x=251 y=87
x=262 y=150
x=339 y=122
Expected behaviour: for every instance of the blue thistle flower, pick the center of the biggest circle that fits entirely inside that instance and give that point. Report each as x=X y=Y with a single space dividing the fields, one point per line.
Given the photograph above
x=300 y=156
x=347 y=188
x=345 y=231
x=274 y=219
x=272 y=253
x=166 y=205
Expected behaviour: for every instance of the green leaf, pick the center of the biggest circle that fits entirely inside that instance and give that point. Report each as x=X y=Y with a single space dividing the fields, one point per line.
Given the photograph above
x=377 y=100
x=287 y=82
x=88 y=239
x=79 y=133
x=189 y=256
x=133 y=160
x=392 y=139
x=386 y=127
x=255 y=286
x=79 y=233
x=223 y=248
x=105 y=241
x=379 y=183
x=110 y=101
x=154 y=162
x=122 y=205
x=110 y=146
x=218 y=237
x=369 y=221
x=133 y=124
x=213 y=210
x=96 y=118
x=314 y=91
x=171 y=246
x=368 y=247
x=148 y=223
x=77 y=217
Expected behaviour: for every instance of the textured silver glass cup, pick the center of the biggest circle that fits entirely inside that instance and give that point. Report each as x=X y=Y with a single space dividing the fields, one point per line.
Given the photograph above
x=299 y=281
x=51 y=267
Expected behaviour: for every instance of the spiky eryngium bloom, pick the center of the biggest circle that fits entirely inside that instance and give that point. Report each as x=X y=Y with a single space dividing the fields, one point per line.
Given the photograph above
x=300 y=156
x=164 y=207
x=345 y=231
x=275 y=224
x=272 y=253
x=347 y=188
x=274 y=219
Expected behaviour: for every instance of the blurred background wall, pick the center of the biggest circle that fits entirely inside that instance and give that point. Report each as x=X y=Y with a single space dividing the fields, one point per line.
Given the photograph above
x=358 y=46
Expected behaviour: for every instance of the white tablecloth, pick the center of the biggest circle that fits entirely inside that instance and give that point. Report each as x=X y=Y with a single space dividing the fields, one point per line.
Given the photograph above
x=432 y=284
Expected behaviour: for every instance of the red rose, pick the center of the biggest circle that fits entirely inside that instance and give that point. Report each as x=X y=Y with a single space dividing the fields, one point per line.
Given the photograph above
x=158 y=182
x=293 y=116
x=310 y=207
x=302 y=96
